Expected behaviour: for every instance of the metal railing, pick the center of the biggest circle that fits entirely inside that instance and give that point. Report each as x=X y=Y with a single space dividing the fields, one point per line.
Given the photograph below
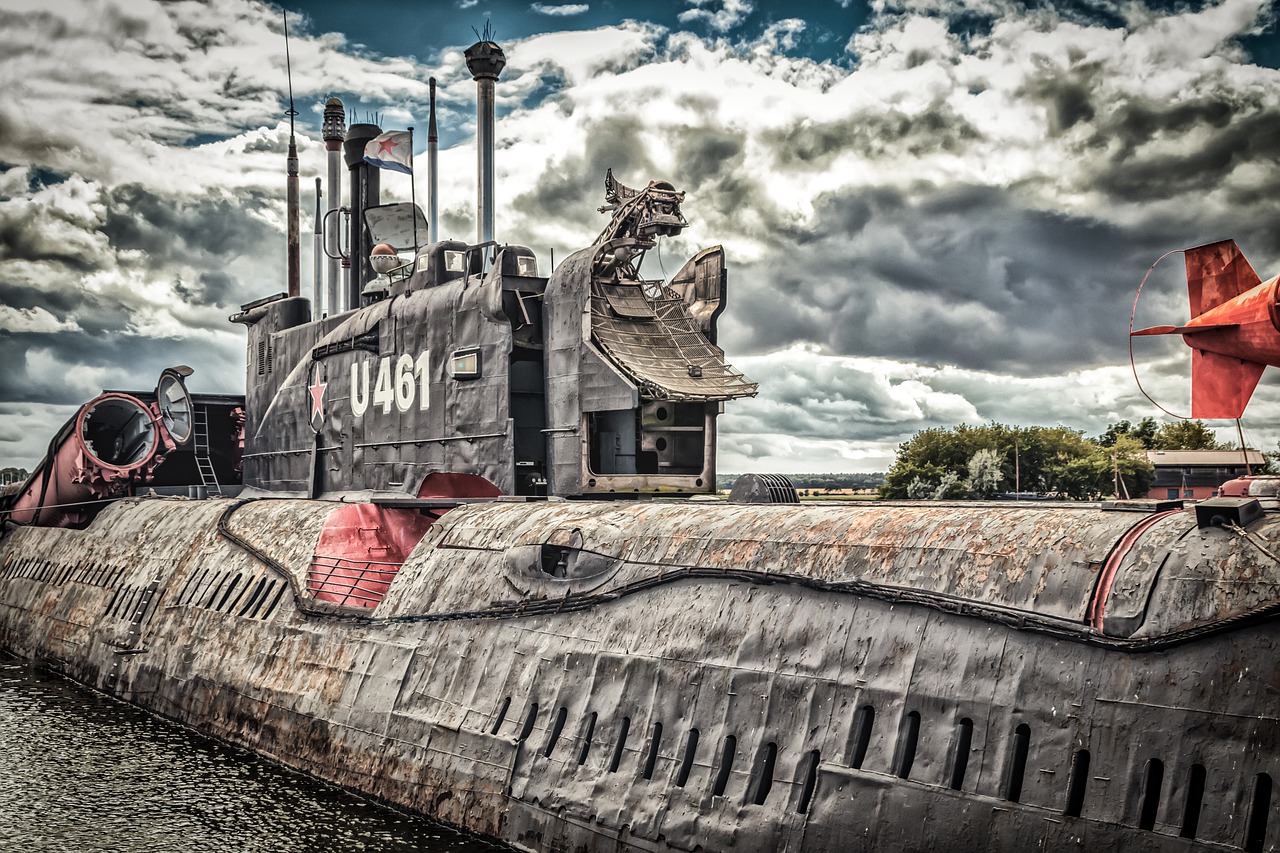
x=351 y=583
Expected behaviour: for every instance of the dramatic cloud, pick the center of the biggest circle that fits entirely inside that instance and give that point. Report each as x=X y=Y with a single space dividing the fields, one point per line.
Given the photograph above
x=720 y=15
x=560 y=11
x=948 y=224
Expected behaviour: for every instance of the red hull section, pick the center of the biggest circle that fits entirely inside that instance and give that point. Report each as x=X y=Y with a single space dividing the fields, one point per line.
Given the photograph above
x=360 y=549
x=362 y=546
x=113 y=443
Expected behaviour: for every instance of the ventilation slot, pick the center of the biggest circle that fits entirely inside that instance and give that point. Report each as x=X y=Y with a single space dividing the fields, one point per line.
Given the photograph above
x=1255 y=833
x=960 y=753
x=726 y=765
x=272 y=608
x=194 y=582
x=227 y=596
x=1078 y=784
x=586 y=738
x=653 y=751
x=863 y=721
x=1152 y=779
x=907 y=740
x=1192 y=804
x=556 y=728
x=764 y=773
x=502 y=715
x=622 y=742
x=1017 y=766
x=810 y=782
x=529 y=720
x=686 y=763
x=213 y=590
x=252 y=603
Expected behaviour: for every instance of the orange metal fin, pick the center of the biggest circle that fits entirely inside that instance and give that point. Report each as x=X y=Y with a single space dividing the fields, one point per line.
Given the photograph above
x=1221 y=385
x=1183 y=330
x=1217 y=272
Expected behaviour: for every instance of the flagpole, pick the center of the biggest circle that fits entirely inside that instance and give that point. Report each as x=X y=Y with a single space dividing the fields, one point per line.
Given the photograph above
x=413 y=195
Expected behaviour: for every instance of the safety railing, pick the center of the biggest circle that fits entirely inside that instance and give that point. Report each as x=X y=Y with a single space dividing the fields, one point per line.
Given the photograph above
x=353 y=583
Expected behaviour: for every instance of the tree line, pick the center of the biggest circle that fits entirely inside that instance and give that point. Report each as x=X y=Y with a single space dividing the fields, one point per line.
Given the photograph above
x=817 y=482
x=986 y=461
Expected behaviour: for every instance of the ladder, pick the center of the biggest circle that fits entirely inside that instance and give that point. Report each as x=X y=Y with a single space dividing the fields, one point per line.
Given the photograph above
x=200 y=438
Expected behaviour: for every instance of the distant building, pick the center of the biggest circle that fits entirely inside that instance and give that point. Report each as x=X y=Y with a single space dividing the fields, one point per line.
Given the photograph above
x=1197 y=474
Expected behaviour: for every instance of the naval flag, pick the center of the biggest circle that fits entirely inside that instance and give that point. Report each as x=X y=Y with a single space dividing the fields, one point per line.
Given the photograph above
x=391 y=150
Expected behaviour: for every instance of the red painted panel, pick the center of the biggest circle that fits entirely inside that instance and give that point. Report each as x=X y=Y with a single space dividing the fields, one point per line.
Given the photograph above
x=360 y=549
x=362 y=546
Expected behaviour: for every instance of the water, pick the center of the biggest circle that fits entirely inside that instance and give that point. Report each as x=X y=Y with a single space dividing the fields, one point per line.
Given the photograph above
x=80 y=771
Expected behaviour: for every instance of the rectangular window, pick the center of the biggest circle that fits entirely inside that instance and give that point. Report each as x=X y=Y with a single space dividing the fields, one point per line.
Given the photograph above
x=465 y=364
x=1171 y=494
x=1188 y=493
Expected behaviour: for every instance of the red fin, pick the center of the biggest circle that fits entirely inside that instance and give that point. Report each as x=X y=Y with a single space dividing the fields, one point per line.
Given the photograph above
x=1217 y=272
x=1154 y=330
x=1221 y=385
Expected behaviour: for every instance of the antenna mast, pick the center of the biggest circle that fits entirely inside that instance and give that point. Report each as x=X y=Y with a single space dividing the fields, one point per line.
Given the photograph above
x=292 y=213
x=433 y=185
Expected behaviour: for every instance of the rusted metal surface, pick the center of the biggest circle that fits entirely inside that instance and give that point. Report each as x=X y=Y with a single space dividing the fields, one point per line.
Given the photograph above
x=537 y=672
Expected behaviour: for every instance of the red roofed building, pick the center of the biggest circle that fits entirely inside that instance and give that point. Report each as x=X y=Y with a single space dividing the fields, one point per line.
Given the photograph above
x=1197 y=474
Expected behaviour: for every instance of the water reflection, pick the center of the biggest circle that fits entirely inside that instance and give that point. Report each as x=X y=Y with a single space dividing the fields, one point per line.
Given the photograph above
x=80 y=771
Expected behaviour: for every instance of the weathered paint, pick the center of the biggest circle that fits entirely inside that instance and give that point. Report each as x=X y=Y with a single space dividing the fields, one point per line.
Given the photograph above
x=767 y=629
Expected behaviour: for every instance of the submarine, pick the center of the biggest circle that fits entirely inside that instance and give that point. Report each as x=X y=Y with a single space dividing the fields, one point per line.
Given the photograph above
x=456 y=548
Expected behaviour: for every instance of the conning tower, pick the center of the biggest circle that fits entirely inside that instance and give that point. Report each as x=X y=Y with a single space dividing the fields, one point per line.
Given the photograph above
x=464 y=361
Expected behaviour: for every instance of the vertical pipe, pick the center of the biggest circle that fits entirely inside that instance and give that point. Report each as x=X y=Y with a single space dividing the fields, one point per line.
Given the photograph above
x=317 y=257
x=484 y=162
x=433 y=156
x=413 y=195
x=333 y=129
x=292 y=204
x=485 y=61
x=365 y=190
x=293 y=228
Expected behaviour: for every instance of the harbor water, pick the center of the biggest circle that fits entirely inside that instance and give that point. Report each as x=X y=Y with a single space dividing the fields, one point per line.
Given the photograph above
x=80 y=771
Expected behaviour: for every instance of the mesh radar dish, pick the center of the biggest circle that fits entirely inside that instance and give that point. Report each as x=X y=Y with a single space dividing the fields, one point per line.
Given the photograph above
x=1133 y=365
x=176 y=409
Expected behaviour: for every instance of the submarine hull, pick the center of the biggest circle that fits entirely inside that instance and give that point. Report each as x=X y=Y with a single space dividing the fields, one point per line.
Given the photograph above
x=630 y=677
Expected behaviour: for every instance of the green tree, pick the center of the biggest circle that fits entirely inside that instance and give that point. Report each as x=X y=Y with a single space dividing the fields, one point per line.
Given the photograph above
x=931 y=453
x=980 y=461
x=986 y=473
x=1144 y=432
x=1187 y=435
x=1131 y=468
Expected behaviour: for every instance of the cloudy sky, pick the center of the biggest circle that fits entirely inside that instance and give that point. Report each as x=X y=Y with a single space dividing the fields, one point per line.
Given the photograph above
x=934 y=211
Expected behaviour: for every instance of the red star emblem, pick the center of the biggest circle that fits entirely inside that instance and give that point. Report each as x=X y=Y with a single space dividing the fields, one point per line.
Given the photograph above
x=317 y=396
x=387 y=146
